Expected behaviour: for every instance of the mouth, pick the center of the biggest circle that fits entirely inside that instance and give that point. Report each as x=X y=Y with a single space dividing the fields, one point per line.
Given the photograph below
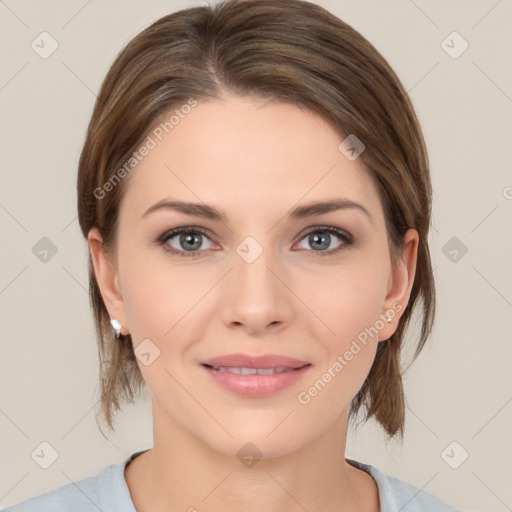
x=251 y=371
x=255 y=376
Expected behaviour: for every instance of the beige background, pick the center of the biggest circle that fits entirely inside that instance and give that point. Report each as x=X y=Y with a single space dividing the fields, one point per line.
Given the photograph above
x=460 y=388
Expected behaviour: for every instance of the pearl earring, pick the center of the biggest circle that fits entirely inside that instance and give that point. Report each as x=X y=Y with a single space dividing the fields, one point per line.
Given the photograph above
x=389 y=319
x=116 y=324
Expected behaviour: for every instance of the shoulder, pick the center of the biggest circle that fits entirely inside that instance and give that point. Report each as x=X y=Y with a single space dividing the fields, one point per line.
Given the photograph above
x=395 y=494
x=106 y=491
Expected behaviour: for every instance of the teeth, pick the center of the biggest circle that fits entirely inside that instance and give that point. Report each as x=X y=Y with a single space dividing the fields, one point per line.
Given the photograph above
x=250 y=371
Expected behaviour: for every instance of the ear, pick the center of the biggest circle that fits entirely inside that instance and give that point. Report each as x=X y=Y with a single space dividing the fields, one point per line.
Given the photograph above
x=400 y=284
x=108 y=279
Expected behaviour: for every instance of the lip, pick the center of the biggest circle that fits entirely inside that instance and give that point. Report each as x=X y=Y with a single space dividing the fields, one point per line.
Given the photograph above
x=262 y=361
x=255 y=385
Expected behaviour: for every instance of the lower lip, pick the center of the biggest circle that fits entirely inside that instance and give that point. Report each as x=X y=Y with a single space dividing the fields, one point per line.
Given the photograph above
x=256 y=385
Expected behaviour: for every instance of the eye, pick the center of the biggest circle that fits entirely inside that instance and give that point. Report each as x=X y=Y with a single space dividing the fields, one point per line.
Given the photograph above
x=321 y=238
x=188 y=241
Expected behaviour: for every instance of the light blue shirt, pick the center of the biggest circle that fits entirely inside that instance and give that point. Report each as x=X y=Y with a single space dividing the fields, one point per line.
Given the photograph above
x=107 y=492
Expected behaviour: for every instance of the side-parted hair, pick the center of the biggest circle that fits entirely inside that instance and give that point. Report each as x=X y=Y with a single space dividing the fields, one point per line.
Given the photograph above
x=286 y=51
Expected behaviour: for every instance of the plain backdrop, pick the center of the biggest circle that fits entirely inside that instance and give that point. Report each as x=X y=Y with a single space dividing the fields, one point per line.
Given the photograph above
x=459 y=392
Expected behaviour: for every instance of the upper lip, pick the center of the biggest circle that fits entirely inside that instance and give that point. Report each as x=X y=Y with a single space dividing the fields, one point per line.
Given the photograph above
x=248 y=361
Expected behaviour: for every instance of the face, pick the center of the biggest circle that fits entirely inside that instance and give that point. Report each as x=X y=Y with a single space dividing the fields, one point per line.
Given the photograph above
x=264 y=279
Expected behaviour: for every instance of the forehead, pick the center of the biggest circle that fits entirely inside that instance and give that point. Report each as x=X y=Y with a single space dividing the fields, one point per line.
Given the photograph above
x=248 y=154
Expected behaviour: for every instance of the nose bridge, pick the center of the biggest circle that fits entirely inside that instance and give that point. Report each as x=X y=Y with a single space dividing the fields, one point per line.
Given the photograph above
x=253 y=265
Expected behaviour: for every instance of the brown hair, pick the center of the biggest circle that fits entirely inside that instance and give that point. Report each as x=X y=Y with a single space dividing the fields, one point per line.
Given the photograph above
x=284 y=50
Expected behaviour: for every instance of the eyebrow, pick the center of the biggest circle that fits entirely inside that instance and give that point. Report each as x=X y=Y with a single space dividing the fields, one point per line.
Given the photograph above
x=300 y=212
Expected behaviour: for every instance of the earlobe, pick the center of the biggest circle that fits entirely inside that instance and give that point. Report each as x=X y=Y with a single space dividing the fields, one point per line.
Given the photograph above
x=106 y=277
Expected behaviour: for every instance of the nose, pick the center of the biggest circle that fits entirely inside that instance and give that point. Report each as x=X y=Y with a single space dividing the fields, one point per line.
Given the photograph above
x=256 y=296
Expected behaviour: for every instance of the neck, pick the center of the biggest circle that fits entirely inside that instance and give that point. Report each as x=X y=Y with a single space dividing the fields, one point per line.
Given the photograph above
x=183 y=473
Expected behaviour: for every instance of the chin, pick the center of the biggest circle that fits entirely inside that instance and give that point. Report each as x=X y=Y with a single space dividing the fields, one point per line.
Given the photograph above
x=251 y=450
x=252 y=443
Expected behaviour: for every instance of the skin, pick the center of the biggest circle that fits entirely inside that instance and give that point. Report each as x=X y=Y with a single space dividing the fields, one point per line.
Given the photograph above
x=255 y=161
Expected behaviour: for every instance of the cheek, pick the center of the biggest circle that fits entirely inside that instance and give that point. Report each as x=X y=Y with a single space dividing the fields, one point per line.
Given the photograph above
x=164 y=301
x=157 y=303
x=153 y=296
x=348 y=299
x=350 y=304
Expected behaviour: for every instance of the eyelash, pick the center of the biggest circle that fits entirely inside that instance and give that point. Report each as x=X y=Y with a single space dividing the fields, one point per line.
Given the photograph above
x=165 y=237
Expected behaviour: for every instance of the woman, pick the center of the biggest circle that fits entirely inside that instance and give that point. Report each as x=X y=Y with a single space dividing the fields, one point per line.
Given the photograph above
x=255 y=193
